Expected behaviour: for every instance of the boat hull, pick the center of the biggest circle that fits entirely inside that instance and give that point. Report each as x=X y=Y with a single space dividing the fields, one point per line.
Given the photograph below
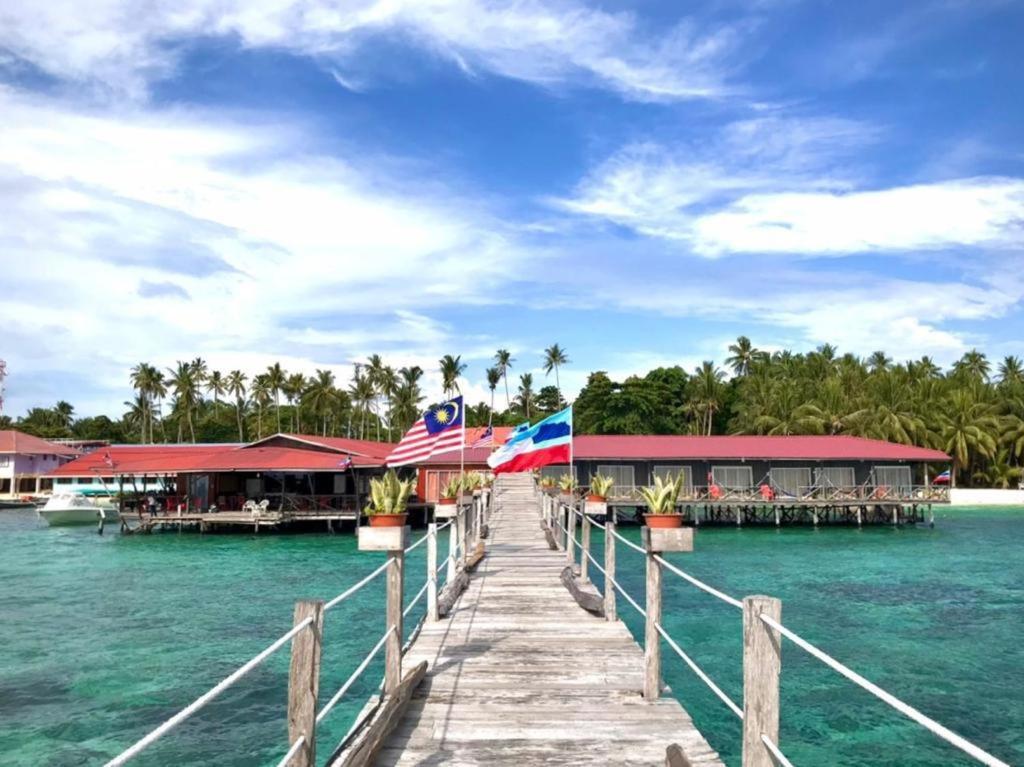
x=76 y=517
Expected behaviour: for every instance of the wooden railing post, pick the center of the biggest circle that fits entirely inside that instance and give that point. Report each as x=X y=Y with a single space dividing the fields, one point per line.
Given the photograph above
x=304 y=682
x=586 y=548
x=762 y=665
x=432 y=613
x=393 y=647
x=570 y=536
x=657 y=541
x=467 y=533
x=609 y=569
x=453 y=542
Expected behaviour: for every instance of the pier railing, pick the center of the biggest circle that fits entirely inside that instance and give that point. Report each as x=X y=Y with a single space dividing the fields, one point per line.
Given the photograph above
x=762 y=631
x=468 y=524
x=768 y=493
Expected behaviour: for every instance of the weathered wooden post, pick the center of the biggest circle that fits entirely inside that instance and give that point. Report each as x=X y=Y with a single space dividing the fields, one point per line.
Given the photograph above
x=450 y=511
x=609 y=569
x=432 y=611
x=570 y=535
x=658 y=541
x=304 y=682
x=762 y=665
x=585 y=533
x=393 y=540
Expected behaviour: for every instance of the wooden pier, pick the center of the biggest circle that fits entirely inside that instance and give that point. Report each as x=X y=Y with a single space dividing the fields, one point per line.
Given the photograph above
x=519 y=674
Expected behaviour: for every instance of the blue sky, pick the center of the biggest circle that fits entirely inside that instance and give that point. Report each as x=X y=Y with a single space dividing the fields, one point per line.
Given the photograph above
x=313 y=182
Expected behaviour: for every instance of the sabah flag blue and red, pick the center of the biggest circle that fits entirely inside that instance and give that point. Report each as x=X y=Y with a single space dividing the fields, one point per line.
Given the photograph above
x=439 y=430
x=545 y=443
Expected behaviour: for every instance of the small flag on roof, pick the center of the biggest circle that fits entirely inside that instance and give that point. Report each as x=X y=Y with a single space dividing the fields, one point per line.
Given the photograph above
x=437 y=431
x=345 y=462
x=108 y=460
x=486 y=439
x=942 y=479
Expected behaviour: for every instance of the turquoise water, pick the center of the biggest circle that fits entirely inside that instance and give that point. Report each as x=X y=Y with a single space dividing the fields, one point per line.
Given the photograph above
x=102 y=638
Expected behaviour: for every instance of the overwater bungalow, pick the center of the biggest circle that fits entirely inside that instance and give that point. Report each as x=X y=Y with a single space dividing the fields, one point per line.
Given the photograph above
x=26 y=463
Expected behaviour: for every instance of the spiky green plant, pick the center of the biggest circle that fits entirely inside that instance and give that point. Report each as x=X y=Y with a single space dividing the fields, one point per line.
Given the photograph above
x=567 y=483
x=472 y=480
x=547 y=482
x=453 y=488
x=600 y=485
x=389 y=494
x=662 y=498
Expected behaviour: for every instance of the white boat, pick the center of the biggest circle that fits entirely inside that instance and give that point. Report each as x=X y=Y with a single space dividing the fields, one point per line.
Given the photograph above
x=64 y=509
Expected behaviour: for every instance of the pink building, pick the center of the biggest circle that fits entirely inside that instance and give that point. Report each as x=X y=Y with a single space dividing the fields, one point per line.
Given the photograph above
x=25 y=462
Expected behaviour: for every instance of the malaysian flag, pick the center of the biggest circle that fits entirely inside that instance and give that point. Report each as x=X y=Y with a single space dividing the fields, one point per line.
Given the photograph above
x=438 y=431
x=486 y=439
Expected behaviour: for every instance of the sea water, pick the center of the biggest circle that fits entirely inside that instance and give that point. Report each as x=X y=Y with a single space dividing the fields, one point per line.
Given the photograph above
x=104 y=637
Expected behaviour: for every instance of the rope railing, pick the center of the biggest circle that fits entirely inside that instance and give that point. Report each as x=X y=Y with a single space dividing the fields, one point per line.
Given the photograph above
x=206 y=697
x=292 y=751
x=780 y=758
x=909 y=711
x=353 y=677
x=353 y=589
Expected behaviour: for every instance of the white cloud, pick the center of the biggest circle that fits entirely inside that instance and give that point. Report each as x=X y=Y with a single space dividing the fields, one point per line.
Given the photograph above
x=123 y=45
x=784 y=186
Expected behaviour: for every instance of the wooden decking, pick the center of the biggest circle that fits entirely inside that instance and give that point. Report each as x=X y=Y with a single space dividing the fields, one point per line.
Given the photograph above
x=520 y=675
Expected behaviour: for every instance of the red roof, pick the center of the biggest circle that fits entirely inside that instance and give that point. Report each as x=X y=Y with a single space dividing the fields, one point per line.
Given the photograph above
x=277 y=459
x=140 y=459
x=748 y=447
x=13 y=441
x=353 y=447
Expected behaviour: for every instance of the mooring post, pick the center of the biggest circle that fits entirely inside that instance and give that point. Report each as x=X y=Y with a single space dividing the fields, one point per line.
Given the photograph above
x=432 y=612
x=304 y=681
x=467 y=540
x=609 y=569
x=657 y=541
x=762 y=665
x=586 y=548
x=393 y=540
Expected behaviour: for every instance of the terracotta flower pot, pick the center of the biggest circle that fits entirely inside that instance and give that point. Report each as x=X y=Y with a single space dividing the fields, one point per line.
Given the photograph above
x=446 y=502
x=596 y=498
x=387 y=520
x=664 y=520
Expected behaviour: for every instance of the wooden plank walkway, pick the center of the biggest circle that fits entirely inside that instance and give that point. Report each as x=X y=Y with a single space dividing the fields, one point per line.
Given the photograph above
x=519 y=674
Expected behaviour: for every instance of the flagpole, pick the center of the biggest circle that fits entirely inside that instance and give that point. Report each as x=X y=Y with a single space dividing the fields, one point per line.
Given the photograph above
x=462 y=448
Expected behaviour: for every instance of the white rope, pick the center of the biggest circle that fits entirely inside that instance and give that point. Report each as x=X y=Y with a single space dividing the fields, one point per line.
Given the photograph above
x=699 y=672
x=442 y=527
x=355 y=675
x=780 y=758
x=292 y=751
x=630 y=543
x=418 y=543
x=346 y=594
x=928 y=723
x=699 y=584
x=415 y=599
x=206 y=697
x=615 y=584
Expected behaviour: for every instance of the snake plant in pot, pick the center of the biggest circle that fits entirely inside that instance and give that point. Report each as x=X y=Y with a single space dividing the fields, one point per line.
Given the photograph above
x=450 y=492
x=388 y=498
x=599 y=488
x=661 y=502
x=567 y=484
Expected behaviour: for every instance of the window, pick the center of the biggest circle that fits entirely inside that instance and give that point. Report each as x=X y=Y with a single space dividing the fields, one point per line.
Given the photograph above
x=835 y=476
x=671 y=472
x=892 y=477
x=733 y=477
x=4 y=460
x=791 y=481
x=557 y=471
x=623 y=476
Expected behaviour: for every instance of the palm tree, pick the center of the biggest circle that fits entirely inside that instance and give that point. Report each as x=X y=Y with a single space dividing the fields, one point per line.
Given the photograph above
x=707 y=395
x=889 y=412
x=293 y=388
x=321 y=396
x=493 y=379
x=1011 y=371
x=452 y=369
x=967 y=430
x=374 y=371
x=504 y=360
x=526 y=393
x=146 y=380
x=236 y=387
x=276 y=378
x=742 y=356
x=974 y=365
x=65 y=414
x=387 y=384
x=261 y=395
x=185 y=382
x=363 y=393
x=406 y=406
x=554 y=357
x=879 y=362
x=216 y=385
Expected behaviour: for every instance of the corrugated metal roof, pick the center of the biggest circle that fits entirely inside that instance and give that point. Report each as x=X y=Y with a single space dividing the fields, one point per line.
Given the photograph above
x=364 y=447
x=20 y=443
x=749 y=447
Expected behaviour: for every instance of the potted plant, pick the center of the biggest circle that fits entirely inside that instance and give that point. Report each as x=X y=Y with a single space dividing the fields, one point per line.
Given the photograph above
x=597 y=495
x=450 y=492
x=547 y=484
x=388 y=498
x=567 y=484
x=473 y=482
x=661 y=502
